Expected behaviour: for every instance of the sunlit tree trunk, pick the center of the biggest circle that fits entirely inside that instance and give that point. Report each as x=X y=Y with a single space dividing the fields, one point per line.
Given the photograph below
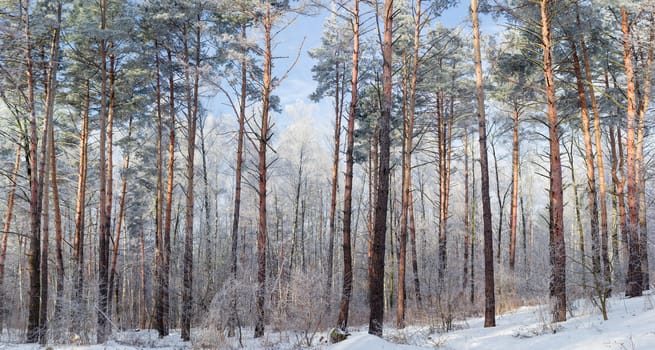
x=599 y=155
x=589 y=163
x=556 y=206
x=633 y=281
x=78 y=300
x=262 y=145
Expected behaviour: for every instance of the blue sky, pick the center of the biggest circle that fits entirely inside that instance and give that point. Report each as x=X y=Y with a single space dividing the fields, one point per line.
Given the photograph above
x=295 y=89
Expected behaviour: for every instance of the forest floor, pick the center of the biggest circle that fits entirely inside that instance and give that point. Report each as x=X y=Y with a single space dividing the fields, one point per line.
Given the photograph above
x=631 y=326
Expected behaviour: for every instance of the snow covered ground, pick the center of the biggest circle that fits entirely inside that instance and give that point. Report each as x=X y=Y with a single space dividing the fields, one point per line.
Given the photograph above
x=631 y=326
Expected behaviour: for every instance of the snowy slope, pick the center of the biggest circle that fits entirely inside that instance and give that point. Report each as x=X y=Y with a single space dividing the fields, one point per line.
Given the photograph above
x=631 y=325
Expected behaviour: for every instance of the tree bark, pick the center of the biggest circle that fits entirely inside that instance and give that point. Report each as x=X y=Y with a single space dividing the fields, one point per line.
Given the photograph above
x=34 y=255
x=263 y=139
x=344 y=305
x=599 y=155
x=633 y=281
x=103 y=216
x=192 y=119
x=119 y=222
x=589 y=162
x=556 y=208
x=490 y=302
x=641 y=162
x=233 y=321
x=334 y=185
x=376 y=275
x=78 y=300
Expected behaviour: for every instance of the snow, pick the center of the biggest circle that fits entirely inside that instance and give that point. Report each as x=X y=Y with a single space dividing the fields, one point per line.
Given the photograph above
x=631 y=326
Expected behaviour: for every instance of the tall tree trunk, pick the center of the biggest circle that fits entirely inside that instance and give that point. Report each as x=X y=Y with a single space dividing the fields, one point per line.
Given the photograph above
x=45 y=241
x=5 y=233
x=59 y=258
x=263 y=139
x=334 y=185
x=34 y=255
x=159 y=235
x=490 y=301
x=119 y=222
x=589 y=162
x=103 y=215
x=376 y=276
x=407 y=167
x=641 y=162
x=344 y=306
x=513 y=219
x=556 y=208
x=633 y=281
x=192 y=118
x=78 y=300
x=599 y=155
x=233 y=321
x=164 y=287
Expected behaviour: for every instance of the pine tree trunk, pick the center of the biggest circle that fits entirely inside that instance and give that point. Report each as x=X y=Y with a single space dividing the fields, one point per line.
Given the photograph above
x=192 y=119
x=589 y=162
x=78 y=300
x=344 y=305
x=633 y=286
x=338 y=114
x=159 y=235
x=233 y=321
x=45 y=241
x=376 y=276
x=490 y=302
x=103 y=215
x=263 y=139
x=556 y=206
x=119 y=224
x=34 y=255
x=641 y=162
x=599 y=156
